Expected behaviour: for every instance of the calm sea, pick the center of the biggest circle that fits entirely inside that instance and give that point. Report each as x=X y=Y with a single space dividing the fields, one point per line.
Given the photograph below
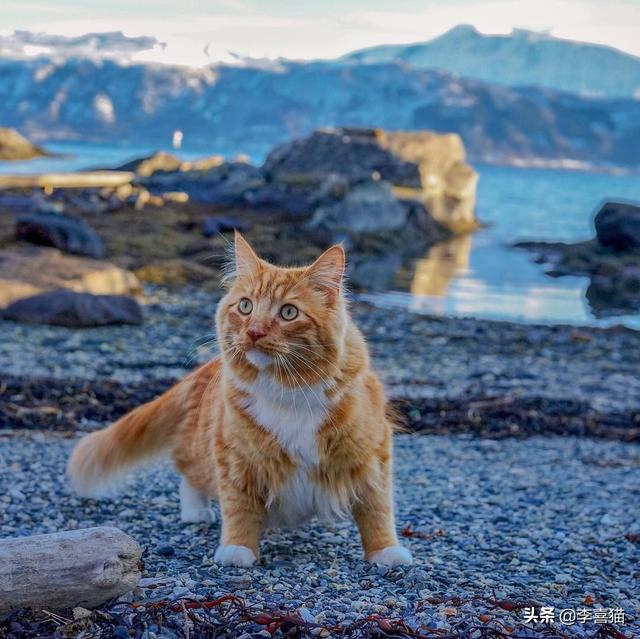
x=480 y=274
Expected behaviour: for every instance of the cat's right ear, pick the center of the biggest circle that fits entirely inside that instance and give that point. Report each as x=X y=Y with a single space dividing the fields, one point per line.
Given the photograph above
x=244 y=260
x=245 y=257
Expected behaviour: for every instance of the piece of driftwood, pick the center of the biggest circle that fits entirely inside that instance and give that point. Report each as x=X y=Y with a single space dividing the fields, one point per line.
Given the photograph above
x=70 y=568
x=78 y=180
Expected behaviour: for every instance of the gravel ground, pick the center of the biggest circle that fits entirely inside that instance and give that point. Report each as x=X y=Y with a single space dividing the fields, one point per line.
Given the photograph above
x=493 y=525
x=546 y=521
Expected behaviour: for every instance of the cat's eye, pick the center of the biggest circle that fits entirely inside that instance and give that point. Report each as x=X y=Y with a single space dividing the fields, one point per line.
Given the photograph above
x=288 y=312
x=245 y=306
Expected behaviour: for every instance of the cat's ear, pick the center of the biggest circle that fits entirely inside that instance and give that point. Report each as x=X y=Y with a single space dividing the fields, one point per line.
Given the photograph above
x=326 y=273
x=245 y=259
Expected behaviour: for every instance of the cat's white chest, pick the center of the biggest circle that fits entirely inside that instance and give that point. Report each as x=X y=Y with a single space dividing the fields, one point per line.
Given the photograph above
x=293 y=417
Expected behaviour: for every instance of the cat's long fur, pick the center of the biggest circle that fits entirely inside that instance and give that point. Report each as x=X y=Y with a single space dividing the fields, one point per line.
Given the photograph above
x=288 y=422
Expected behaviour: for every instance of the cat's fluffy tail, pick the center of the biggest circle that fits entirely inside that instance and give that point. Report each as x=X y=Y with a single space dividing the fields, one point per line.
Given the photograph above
x=100 y=459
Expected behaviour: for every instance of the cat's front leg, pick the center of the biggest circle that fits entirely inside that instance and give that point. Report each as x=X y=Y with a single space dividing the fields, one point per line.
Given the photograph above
x=373 y=512
x=242 y=519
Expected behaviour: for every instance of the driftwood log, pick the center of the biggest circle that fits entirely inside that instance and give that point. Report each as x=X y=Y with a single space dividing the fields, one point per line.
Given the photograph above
x=79 y=180
x=71 y=568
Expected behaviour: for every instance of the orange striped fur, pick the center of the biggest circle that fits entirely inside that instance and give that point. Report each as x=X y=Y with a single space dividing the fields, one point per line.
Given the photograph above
x=288 y=422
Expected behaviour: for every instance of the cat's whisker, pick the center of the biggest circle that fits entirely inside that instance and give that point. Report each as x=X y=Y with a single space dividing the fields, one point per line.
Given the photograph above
x=310 y=366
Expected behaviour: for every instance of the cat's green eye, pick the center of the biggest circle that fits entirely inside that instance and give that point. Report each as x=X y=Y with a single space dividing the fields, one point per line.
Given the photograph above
x=288 y=312
x=245 y=306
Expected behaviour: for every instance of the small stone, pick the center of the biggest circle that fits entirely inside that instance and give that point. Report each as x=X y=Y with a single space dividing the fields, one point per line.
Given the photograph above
x=166 y=551
x=306 y=616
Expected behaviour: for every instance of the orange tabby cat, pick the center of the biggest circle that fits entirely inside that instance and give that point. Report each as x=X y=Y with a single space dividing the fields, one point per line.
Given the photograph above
x=287 y=423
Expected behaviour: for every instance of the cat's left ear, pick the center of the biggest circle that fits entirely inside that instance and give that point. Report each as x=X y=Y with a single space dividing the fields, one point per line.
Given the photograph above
x=327 y=271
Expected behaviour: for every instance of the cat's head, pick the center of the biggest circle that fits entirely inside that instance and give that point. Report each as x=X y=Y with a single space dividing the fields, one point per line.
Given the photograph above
x=289 y=322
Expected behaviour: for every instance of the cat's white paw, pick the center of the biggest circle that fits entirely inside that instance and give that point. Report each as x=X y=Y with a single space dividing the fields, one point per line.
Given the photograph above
x=201 y=516
x=234 y=556
x=392 y=556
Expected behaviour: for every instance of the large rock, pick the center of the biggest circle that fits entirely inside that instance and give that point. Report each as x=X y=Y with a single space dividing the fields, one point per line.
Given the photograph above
x=13 y=146
x=367 y=207
x=79 y=310
x=618 y=226
x=421 y=165
x=32 y=270
x=60 y=231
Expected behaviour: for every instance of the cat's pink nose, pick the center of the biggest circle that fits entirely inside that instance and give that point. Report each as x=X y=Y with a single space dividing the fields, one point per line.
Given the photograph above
x=255 y=334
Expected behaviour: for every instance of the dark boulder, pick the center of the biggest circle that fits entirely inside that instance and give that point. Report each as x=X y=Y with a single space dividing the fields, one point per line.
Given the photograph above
x=79 y=310
x=60 y=231
x=618 y=226
x=356 y=154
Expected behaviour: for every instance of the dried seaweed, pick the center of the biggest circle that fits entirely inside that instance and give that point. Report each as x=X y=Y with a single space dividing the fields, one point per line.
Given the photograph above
x=70 y=405
x=231 y=616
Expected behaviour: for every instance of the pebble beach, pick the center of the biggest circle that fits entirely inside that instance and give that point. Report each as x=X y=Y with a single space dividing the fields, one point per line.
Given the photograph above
x=495 y=523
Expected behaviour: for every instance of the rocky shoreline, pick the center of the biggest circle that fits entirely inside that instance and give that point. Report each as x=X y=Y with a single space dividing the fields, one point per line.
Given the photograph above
x=387 y=196
x=611 y=259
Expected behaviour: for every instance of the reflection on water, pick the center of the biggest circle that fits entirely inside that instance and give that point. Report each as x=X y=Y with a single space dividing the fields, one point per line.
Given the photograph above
x=480 y=275
x=442 y=263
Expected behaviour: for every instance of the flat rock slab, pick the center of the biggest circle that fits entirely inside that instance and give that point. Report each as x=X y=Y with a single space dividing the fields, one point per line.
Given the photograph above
x=79 y=310
x=31 y=270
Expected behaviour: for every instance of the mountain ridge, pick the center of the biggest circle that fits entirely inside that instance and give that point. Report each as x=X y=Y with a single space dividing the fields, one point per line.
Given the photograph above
x=521 y=58
x=250 y=107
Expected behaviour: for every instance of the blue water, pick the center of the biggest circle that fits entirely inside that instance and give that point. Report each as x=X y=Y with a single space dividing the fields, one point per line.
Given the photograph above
x=479 y=275
x=76 y=156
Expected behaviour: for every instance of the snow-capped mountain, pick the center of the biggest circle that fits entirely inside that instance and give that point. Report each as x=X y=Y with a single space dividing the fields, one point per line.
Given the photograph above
x=520 y=59
x=249 y=107
x=97 y=46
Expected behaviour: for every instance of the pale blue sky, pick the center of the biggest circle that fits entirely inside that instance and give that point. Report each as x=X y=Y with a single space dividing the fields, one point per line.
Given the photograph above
x=321 y=28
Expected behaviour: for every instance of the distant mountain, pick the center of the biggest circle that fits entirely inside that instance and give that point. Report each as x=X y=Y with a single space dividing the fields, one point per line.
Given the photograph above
x=250 y=108
x=520 y=59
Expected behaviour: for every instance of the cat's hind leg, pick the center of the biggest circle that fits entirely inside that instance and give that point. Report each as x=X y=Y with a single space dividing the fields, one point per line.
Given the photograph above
x=195 y=507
